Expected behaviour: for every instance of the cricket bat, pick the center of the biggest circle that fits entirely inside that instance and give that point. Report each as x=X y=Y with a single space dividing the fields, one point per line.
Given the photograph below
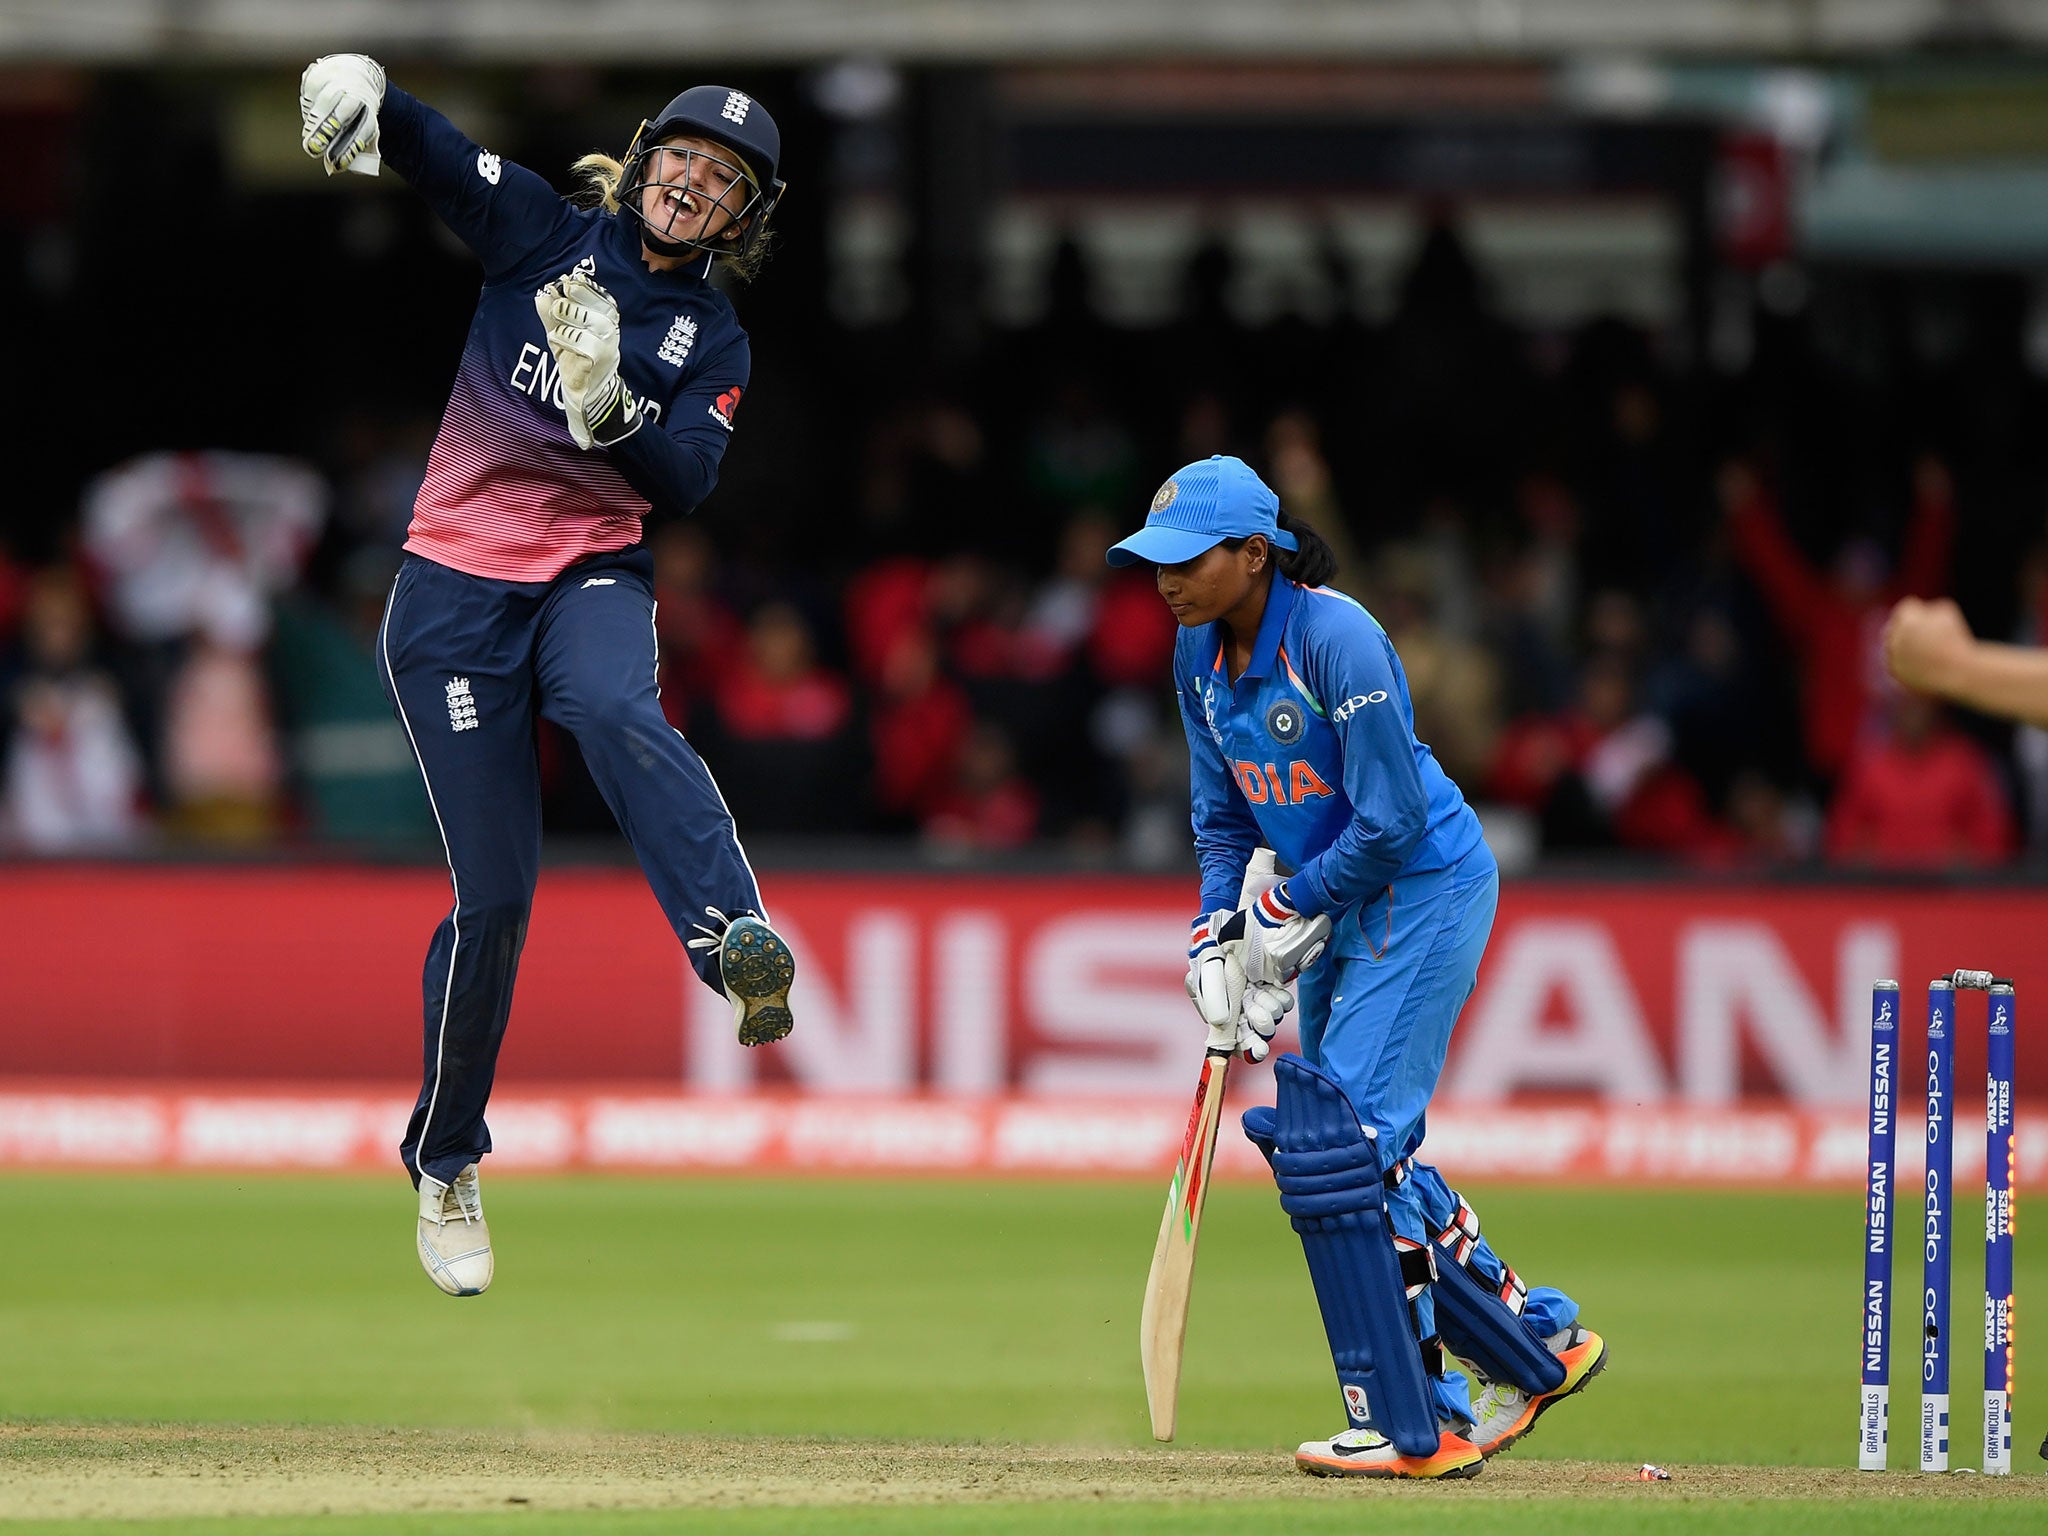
x=1163 y=1324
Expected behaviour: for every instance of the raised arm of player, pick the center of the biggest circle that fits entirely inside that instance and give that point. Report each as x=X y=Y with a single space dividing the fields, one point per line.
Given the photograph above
x=501 y=211
x=1350 y=665
x=1928 y=648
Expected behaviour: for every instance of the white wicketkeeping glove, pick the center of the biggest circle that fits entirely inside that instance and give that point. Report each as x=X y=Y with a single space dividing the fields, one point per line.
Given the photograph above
x=1265 y=1005
x=582 y=323
x=338 y=100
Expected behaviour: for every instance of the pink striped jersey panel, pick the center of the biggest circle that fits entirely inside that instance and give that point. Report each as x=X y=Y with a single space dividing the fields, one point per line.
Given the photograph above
x=509 y=495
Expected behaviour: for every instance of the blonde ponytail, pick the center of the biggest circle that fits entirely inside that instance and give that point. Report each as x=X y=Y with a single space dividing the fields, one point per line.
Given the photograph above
x=599 y=177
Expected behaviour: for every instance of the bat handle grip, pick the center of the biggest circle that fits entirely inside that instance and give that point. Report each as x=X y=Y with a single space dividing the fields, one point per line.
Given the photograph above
x=1261 y=874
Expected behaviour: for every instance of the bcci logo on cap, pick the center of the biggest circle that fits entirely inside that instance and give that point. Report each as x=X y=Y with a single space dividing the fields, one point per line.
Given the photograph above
x=1165 y=497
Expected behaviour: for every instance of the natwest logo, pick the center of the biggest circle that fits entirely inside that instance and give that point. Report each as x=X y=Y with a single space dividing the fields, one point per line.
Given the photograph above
x=726 y=406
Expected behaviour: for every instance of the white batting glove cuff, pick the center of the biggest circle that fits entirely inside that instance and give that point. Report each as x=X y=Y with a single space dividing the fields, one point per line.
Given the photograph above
x=1276 y=951
x=1273 y=941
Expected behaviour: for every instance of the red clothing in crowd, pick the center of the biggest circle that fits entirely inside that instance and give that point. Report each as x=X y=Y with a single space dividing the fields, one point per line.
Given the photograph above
x=13 y=596
x=1648 y=800
x=753 y=707
x=1920 y=806
x=1130 y=644
x=988 y=650
x=1535 y=752
x=1834 y=632
x=894 y=600
x=1002 y=816
x=917 y=743
x=1668 y=812
x=884 y=603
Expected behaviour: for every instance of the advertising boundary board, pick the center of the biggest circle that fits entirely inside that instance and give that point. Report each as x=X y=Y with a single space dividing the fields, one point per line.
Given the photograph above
x=84 y=1124
x=1036 y=986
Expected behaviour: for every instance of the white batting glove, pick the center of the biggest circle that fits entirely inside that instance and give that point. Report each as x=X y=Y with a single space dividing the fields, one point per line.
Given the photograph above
x=1215 y=981
x=338 y=100
x=1265 y=1005
x=582 y=324
x=1273 y=942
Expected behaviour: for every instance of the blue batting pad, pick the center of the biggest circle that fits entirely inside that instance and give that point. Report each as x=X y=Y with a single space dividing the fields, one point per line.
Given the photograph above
x=1331 y=1187
x=1478 y=1326
x=1262 y=1130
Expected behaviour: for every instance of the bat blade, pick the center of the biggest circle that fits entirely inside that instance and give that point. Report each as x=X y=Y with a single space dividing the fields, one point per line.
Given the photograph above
x=1163 y=1323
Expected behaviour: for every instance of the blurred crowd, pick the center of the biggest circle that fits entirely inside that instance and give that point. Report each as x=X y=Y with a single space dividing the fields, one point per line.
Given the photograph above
x=1637 y=601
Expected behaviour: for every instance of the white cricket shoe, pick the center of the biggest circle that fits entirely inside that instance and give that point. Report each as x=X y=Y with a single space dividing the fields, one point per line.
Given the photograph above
x=455 y=1245
x=1503 y=1413
x=1368 y=1453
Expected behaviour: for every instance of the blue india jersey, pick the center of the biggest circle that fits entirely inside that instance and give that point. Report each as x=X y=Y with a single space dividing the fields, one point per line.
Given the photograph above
x=1312 y=752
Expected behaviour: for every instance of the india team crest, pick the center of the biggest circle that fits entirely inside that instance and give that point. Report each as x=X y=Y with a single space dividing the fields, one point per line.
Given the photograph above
x=1165 y=497
x=1285 y=722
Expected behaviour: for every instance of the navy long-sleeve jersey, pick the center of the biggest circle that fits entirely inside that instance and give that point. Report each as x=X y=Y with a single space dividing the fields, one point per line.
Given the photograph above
x=508 y=494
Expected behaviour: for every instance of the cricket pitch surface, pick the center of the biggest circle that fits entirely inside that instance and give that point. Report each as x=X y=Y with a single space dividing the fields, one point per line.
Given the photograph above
x=115 y=1472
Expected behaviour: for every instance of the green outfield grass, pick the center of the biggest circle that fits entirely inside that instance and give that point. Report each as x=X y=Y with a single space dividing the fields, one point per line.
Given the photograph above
x=946 y=1312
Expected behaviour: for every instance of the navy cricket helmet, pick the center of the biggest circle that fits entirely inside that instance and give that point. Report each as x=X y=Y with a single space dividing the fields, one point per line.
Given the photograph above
x=739 y=124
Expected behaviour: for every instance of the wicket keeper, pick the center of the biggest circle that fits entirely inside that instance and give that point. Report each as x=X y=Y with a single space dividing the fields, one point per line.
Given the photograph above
x=1302 y=738
x=599 y=382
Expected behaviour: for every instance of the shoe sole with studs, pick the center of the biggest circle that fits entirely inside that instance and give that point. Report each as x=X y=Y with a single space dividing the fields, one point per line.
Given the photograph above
x=758 y=969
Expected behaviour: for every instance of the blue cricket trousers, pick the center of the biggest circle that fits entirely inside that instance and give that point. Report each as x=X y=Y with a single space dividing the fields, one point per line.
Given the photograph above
x=470 y=664
x=1376 y=1014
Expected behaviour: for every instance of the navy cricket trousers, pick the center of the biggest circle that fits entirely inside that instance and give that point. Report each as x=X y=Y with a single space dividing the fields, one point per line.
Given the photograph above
x=469 y=664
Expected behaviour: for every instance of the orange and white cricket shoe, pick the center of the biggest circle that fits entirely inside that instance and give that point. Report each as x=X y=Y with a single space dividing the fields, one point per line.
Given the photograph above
x=1503 y=1414
x=1368 y=1453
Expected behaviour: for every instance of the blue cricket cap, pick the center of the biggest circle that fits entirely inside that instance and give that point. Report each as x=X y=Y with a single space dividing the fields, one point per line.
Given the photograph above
x=1203 y=504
